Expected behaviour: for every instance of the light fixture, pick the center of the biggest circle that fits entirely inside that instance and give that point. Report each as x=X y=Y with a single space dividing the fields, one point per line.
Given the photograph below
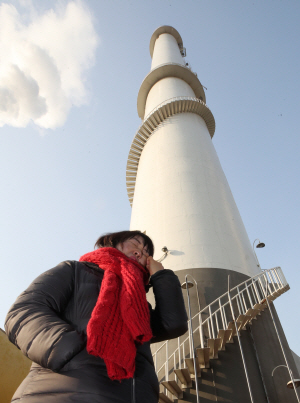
x=166 y=251
x=186 y=285
x=259 y=245
x=189 y=284
x=293 y=381
x=290 y=384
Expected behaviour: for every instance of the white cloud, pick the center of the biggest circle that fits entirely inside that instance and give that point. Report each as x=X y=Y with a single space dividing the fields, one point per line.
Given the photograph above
x=43 y=62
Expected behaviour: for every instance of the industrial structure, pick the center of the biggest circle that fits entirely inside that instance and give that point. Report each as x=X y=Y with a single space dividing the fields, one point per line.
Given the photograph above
x=235 y=350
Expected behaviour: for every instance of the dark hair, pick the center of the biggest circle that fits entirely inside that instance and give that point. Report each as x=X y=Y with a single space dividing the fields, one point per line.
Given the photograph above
x=114 y=238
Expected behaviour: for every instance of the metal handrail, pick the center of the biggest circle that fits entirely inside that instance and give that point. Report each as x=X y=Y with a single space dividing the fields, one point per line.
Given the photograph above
x=244 y=296
x=157 y=107
x=167 y=101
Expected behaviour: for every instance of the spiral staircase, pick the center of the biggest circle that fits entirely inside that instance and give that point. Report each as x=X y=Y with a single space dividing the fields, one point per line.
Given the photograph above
x=178 y=361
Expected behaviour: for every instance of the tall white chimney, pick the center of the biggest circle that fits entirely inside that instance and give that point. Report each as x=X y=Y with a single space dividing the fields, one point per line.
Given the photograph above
x=180 y=197
x=176 y=185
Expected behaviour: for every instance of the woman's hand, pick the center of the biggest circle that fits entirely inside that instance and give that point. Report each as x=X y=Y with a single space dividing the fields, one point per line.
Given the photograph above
x=153 y=266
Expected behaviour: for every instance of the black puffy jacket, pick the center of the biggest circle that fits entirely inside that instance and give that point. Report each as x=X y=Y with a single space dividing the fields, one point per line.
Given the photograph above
x=48 y=323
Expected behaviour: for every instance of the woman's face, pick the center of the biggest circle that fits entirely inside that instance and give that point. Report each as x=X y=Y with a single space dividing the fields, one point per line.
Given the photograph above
x=134 y=249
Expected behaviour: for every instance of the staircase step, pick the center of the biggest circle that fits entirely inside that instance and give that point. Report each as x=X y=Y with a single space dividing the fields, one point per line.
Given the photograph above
x=163 y=398
x=214 y=346
x=242 y=320
x=225 y=336
x=263 y=302
x=190 y=364
x=174 y=388
x=231 y=326
x=252 y=313
x=203 y=356
x=261 y=306
x=183 y=374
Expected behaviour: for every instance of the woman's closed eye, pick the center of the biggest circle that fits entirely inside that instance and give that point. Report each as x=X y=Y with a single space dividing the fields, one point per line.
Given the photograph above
x=145 y=253
x=138 y=245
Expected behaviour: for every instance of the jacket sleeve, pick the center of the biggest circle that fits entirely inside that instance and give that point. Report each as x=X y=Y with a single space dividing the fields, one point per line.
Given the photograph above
x=35 y=325
x=169 y=318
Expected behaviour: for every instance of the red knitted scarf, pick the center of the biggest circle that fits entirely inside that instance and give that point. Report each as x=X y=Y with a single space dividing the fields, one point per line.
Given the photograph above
x=121 y=318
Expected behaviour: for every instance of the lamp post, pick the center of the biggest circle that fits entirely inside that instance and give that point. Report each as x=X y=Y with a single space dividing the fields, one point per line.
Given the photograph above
x=186 y=286
x=190 y=284
x=166 y=251
x=293 y=383
x=279 y=339
x=259 y=245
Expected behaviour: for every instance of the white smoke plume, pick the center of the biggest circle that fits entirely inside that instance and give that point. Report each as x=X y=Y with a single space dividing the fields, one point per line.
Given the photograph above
x=43 y=60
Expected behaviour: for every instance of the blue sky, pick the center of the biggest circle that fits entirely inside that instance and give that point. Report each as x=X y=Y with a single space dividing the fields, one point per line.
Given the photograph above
x=63 y=179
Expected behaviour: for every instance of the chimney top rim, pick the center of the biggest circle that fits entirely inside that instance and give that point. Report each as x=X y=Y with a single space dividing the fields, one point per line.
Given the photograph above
x=164 y=29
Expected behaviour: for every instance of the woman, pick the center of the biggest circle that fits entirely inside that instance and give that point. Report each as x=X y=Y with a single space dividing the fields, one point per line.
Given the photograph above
x=91 y=346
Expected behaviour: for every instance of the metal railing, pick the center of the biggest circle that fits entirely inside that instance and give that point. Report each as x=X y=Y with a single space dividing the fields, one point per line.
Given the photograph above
x=169 y=101
x=218 y=315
